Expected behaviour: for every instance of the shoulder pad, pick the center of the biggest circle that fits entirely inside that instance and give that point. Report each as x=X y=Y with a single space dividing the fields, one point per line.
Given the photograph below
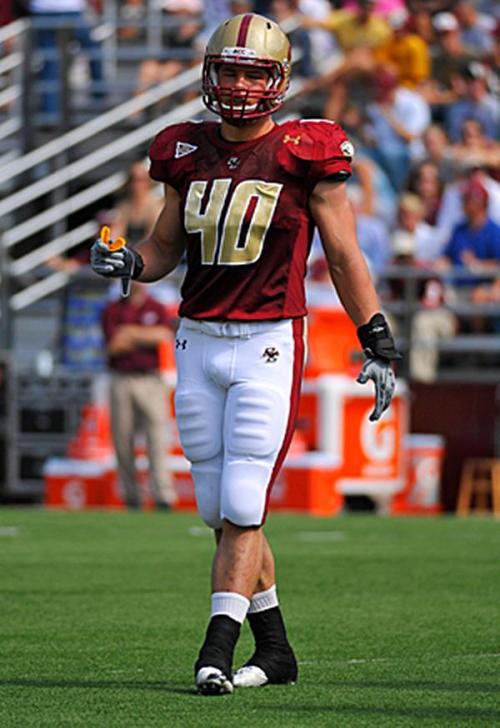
x=316 y=140
x=175 y=141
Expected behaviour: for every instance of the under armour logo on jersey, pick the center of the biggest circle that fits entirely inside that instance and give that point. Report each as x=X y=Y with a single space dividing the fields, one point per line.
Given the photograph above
x=291 y=139
x=183 y=148
x=270 y=354
x=180 y=343
x=233 y=162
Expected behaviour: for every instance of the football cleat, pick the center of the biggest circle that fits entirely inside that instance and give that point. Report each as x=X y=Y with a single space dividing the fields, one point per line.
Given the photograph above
x=212 y=681
x=276 y=668
x=249 y=676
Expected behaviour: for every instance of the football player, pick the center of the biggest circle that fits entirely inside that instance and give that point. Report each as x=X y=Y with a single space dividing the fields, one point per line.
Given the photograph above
x=242 y=199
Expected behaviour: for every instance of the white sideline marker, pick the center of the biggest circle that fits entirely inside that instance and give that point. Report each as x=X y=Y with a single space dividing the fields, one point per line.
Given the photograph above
x=9 y=531
x=199 y=531
x=321 y=536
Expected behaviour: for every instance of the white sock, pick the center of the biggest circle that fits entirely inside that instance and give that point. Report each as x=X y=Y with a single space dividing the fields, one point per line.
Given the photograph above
x=231 y=604
x=264 y=600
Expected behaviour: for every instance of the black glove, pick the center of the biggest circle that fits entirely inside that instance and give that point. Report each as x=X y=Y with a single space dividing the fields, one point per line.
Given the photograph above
x=122 y=262
x=380 y=349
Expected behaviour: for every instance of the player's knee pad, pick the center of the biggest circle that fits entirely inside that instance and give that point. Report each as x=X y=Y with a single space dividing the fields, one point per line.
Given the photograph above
x=258 y=420
x=207 y=487
x=198 y=424
x=243 y=492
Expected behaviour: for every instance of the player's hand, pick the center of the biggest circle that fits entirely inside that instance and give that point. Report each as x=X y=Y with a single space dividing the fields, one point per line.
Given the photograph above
x=380 y=371
x=380 y=350
x=112 y=258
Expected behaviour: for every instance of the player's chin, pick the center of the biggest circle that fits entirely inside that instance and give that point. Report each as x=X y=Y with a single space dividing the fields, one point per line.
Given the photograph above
x=234 y=120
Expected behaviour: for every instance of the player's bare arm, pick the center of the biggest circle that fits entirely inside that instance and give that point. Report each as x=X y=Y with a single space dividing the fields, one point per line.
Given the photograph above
x=334 y=217
x=153 y=259
x=333 y=214
x=162 y=251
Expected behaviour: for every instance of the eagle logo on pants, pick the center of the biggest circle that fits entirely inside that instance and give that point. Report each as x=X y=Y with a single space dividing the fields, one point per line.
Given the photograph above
x=270 y=354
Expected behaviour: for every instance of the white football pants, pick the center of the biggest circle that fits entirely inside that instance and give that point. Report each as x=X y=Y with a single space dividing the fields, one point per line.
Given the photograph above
x=236 y=401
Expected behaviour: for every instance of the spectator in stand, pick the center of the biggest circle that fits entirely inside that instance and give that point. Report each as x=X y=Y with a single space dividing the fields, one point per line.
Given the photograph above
x=357 y=32
x=438 y=153
x=432 y=322
x=396 y=120
x=356 y=28
x=134 y=327
x=384 y=196
x=475 y=148
x=429 y=6
x=324 y=50
x=405 y=53
x=451 y=210
x=135 y=214
x=132 y=12
x=477 y=28
x=48 y=16
x=477 y=103
x=475 y=243
x=449 y=56
x=487 y=294
x=425 y=182
x=421 y=22
x=426 y=243
x=282 y=11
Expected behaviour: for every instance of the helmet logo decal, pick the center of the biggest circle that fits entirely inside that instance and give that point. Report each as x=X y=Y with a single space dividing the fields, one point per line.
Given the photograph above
x=233 y=162
x=291 y=139
x=238 y=51
x=183 y=148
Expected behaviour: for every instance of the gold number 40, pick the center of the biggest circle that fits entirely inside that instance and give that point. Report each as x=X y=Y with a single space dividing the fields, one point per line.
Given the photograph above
x=227 y=245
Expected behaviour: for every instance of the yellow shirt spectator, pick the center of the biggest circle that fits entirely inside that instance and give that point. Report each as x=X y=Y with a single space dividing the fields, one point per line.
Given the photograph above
x=352 y=31
x=408 y=55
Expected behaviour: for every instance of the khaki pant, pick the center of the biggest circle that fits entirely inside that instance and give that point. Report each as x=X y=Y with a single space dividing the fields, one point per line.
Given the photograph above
x=428 y=327
x=139 y=402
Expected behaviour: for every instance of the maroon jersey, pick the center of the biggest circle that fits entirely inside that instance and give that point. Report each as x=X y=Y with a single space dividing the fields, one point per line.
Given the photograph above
x=245 y=210
x=149 y=312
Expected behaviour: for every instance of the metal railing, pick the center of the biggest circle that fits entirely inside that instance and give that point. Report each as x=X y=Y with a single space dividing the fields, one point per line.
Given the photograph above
x=11 y=74
x=482 y=346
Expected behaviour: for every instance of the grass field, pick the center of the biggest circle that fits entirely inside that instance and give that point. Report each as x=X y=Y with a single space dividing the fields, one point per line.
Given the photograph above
x=395 y=622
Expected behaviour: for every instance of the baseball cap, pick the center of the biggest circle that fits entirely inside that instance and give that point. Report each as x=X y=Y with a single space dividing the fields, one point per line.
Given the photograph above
x=445 y=22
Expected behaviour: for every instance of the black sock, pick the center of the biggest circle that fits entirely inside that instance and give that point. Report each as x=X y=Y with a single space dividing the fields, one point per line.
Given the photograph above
x=218 y=647
x=268 y=628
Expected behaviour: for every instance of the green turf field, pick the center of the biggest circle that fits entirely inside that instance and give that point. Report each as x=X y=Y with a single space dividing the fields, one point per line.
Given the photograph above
x=395 y=622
